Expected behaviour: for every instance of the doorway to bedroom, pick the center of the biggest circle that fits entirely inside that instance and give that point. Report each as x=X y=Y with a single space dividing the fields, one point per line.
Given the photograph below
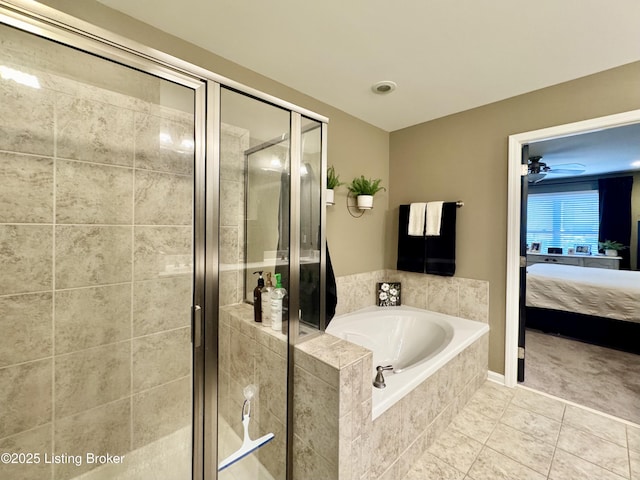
x=576 y=311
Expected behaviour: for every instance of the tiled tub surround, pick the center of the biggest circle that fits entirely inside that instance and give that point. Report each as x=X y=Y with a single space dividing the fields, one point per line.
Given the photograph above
x=95 y=214
x=460 y=297
x=335 y=436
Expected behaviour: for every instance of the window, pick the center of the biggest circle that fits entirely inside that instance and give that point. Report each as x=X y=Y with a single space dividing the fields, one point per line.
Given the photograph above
x=563 y=219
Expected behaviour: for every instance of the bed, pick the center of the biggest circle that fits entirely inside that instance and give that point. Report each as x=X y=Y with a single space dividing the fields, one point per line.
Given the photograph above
x=596 y=305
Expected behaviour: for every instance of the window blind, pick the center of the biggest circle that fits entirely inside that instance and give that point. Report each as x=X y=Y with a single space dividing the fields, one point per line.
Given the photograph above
x=563 y=219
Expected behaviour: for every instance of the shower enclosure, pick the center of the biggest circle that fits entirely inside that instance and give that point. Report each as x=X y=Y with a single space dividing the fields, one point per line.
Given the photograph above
x=138 y=195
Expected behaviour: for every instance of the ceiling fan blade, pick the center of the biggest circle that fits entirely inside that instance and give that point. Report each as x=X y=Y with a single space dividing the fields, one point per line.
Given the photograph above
x=568 y=168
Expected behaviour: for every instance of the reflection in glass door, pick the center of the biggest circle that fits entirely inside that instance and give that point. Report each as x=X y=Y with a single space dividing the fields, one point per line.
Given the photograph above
x=96 y=248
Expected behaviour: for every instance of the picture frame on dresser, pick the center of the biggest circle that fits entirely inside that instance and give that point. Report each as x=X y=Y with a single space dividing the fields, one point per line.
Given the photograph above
x=583 y=249
x=535 y=247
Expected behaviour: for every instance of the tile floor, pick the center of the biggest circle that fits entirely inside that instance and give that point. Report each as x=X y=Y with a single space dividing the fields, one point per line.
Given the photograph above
x=598 y=377
x=520 y=434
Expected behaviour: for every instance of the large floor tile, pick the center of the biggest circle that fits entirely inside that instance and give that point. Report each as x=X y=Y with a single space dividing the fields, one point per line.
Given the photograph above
x=430 y=466
x=491 y=465
x=534 y=424
x=566 y=466
x=540 y=404
x=594 y=449
x=522 y=448
x=599 y=425
x=456 y=449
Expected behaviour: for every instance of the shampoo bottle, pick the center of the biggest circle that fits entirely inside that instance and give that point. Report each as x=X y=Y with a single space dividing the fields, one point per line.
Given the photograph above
x=257 y=298
x=266 y=301
x=277 y=296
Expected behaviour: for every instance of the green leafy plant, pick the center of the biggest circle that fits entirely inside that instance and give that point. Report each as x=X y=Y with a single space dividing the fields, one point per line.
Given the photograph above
x=611 y=245
x=365 y=186
x=333 y=180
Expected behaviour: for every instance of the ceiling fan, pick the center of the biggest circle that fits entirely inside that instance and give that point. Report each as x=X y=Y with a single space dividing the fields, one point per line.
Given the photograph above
x=539 y=170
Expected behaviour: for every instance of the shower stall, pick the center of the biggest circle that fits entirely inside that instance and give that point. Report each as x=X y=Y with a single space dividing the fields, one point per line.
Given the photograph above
x=138 y=194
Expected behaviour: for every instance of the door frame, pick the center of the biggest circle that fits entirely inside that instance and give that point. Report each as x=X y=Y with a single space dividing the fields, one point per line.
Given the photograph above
x=514 y=199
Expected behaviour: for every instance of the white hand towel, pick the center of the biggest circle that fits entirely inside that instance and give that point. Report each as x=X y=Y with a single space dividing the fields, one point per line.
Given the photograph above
x=416 y=219
x=434 y=218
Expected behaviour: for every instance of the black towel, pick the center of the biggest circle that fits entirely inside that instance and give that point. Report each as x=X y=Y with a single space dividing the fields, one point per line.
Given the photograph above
x=430 y=254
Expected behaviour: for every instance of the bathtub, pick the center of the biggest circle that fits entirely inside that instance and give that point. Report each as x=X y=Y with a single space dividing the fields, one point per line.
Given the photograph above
x=415 y=342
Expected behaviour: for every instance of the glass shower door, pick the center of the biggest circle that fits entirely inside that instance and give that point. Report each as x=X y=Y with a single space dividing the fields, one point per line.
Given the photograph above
x=96 y=247
x=253 y=237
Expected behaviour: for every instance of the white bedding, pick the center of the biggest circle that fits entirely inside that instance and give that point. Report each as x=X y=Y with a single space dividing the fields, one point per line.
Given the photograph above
x=590 y=291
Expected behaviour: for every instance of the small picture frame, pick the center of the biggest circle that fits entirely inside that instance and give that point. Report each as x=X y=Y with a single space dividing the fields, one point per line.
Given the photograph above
x=583 y=249
x=571 y=251
x=389 y=294
x=554 y=250
x=535 y=247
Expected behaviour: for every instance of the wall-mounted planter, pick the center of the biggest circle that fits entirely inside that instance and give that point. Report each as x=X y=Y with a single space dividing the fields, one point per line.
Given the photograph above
x=365 y=202
x=329 y=196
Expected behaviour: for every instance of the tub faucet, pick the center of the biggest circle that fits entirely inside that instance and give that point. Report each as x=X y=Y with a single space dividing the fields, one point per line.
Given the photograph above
x=378 y=382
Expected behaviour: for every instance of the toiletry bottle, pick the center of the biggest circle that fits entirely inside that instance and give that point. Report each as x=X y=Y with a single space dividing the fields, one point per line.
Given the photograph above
x=277 y=296
x=266 y=301
x=257 y=298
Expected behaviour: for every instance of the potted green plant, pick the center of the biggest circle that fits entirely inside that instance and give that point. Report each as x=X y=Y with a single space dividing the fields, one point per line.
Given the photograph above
x=364 y=189
x=333 y=181
x=611 y=247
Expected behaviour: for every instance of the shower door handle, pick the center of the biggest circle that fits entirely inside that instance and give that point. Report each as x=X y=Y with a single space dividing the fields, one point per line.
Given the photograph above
x=196 y=325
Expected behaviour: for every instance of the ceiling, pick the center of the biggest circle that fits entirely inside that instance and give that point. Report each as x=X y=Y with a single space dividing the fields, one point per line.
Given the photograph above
x=445 y=56
x=603 y=151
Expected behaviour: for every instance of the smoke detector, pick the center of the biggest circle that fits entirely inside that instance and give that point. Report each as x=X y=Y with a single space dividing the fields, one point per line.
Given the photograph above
x=384 y=87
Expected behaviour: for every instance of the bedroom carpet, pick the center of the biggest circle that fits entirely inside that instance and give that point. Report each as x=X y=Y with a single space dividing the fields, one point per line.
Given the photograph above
x=593 y=376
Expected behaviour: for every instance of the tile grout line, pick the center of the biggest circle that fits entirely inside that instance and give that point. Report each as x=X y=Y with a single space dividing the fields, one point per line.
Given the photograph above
x=53 y=280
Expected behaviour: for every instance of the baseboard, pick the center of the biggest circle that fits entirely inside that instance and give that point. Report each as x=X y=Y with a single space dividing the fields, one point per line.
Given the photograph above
x=496 y=377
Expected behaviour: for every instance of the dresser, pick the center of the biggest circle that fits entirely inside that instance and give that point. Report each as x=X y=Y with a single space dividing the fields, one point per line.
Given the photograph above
x=594 y=261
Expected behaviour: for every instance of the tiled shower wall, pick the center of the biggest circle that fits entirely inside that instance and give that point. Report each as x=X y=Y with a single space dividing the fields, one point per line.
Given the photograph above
x=95 y=248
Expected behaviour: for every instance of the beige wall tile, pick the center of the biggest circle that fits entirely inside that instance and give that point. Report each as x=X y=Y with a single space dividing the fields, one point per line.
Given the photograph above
x=161 y=304
x=386 y=440
x=25 y=256
x=156 y=250
x=92 y=255
x=161 y=411
x=26 y=119
x=474 y=299
x=316 y=413
x=92 y=377
x=91 y=193
x=101 y=430
x=230 y=251
x=161 y=358
x=163 y=198
x=27 y=189
x=309 y=464
x=242 y=354
x=93 y=131
x=232 y=203
x=37 y=440
x=443 y=295
x=25 y=324
x=89 y=317
x=272 y=378
x=25 y=396
x=159 y=142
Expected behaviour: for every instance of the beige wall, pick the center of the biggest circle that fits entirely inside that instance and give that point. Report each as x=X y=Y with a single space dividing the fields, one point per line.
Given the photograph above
x=464 y=157
x=355 y=147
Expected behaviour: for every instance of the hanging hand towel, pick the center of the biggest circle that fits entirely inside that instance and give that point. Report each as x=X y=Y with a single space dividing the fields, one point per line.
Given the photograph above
x=434 y=218
x=417 y=219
